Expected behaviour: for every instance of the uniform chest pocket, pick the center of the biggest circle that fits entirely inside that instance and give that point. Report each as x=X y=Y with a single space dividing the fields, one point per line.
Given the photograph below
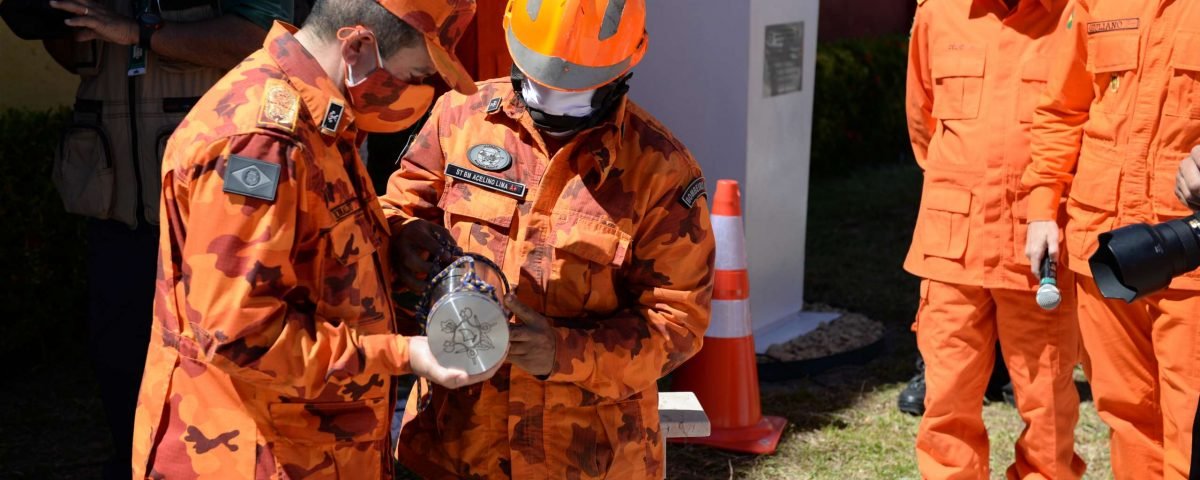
x=587 y=252
x=1112 y=58
x=478 y=219
x=958 y=83
x=1034 y=74
x=1183 y=97
x=352 y=286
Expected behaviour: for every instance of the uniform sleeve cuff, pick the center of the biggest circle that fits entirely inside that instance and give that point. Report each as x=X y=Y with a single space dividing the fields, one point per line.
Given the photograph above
x=569 y=366
x=391 y=351
x=1043 y=203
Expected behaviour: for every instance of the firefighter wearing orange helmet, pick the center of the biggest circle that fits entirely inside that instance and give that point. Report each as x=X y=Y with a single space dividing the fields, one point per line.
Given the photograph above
x=598 y=213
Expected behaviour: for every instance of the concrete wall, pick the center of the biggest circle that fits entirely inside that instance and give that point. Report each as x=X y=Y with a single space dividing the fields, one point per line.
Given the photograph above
x=29 y=78
x=704 y=78
x=694 y=78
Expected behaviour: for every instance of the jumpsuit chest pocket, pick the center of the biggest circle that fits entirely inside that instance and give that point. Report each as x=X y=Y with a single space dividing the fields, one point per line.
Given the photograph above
x=1183 y=92
x=1112 y=58
x=478 y=219
x=958 y=82
x=1034 y=74
x=351 y=284
x=587 y=252
x=944 y=221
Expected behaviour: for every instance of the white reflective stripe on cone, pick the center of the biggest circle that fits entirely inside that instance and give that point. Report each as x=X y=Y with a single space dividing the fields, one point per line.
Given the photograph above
x=730 y=319
x=731 y=242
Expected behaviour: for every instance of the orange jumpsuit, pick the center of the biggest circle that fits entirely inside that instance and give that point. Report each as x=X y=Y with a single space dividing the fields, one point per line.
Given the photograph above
x=1121 y=111
x=272 y=349
x=975 y=72
x=606 y=239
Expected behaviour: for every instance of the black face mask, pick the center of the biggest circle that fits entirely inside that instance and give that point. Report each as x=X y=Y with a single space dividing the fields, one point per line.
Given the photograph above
x=604 y=101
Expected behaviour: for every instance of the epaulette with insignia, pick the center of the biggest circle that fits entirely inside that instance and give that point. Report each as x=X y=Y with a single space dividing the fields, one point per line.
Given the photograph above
x=280 y=106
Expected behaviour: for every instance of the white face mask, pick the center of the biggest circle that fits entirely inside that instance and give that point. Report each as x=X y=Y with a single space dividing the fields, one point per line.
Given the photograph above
x=555 y=102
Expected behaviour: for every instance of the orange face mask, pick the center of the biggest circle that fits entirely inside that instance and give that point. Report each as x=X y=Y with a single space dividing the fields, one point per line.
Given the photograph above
x=381 y=102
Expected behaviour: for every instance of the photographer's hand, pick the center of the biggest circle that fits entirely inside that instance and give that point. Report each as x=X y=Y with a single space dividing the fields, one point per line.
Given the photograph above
x=1187 y=182
x=97 y=22
x=1041 y=239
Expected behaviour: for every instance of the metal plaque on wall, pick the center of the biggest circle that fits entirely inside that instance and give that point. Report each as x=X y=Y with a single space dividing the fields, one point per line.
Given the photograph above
x=783 y=59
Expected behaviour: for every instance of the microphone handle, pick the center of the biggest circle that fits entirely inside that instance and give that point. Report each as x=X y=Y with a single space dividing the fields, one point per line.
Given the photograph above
x=1049 y=270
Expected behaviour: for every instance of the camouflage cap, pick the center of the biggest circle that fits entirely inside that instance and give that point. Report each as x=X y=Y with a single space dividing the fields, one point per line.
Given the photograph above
x=443 y=23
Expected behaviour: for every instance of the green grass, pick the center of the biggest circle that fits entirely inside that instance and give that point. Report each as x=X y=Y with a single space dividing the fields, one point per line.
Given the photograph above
x=843 y=424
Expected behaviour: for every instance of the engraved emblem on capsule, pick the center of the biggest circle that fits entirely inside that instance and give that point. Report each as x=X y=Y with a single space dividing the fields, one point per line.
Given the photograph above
x=468 y=335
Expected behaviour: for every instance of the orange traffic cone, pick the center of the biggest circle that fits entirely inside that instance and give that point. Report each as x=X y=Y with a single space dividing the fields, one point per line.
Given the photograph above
x=724 y=374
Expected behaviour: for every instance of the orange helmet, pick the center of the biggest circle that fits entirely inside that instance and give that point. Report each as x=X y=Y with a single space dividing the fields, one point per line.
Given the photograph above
x=575 y=45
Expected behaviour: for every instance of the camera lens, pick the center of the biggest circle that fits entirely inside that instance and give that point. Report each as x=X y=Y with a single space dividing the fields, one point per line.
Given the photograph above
x=1137 y=260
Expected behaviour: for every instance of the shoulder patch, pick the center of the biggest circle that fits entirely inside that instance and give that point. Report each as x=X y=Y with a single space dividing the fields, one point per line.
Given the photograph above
x=280 y=106
x=693 y=192
x=251 y=177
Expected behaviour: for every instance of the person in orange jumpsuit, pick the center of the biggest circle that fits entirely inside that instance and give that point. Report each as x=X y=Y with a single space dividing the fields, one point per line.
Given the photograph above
x=976 y=69
x=1119 y=114
x=597 y=214
x=273 y=341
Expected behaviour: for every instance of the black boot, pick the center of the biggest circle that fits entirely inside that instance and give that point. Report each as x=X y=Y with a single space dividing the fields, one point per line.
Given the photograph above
x=912 y=398
x=1000 y=387
x=1010 y=397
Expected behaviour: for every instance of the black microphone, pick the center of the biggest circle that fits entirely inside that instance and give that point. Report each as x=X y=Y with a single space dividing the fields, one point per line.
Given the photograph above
x=1048 y=296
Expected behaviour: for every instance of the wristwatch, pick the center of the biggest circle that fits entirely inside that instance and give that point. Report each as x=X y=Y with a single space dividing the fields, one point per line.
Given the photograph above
x=148 y=23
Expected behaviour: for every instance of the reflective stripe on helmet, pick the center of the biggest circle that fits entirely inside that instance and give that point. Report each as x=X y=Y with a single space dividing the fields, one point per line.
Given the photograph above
x=532 y=8
x=612 y=18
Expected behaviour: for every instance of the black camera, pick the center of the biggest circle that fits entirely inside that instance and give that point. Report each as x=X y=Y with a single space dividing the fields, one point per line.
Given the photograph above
x=1137 y=260
x=35 y=19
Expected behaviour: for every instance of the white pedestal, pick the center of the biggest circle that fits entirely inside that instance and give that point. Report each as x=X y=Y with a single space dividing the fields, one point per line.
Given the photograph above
x=788 y=328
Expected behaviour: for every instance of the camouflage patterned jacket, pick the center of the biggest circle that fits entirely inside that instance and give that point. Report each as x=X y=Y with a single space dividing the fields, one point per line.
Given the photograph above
x=607 y=239
x=272 y=347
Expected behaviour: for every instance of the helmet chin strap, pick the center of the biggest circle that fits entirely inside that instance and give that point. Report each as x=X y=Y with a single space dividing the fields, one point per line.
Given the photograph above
x=604 y=102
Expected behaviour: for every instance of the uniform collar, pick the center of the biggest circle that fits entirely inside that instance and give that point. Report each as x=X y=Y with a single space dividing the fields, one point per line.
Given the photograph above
x=603 y=154
x=1047 y=4
x=324 y=101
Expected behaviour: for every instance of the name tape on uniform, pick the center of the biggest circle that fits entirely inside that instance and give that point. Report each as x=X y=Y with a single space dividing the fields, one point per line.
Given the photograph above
x=1112 y=25
x=486 y=181
x=347 y=208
